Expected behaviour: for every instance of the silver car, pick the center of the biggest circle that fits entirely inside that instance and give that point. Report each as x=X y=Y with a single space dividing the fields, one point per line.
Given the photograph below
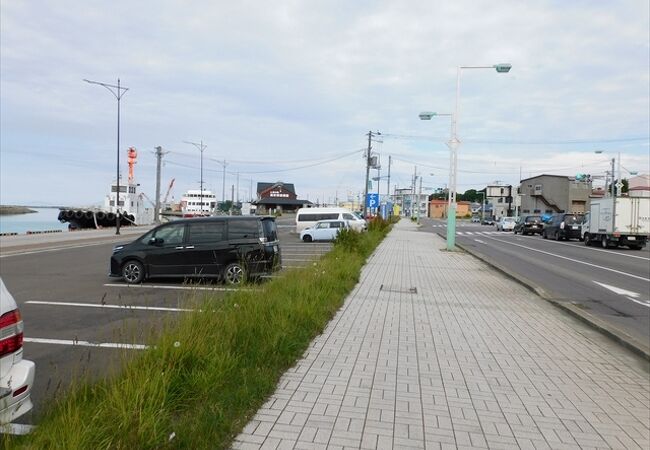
x=323 y=230
x=506 y=224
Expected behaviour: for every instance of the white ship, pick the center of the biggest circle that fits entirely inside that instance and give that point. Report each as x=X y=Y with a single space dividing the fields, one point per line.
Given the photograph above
x=196 y=204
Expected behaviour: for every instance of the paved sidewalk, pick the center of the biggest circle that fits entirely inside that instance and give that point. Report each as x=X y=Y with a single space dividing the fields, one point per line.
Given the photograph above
x=436 y=350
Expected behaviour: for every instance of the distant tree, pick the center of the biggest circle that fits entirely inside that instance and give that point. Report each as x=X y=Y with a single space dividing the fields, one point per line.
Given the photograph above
x=225 y=206
x=440 y=194
x=469 y=196
x=472 y=195
x=626 y=186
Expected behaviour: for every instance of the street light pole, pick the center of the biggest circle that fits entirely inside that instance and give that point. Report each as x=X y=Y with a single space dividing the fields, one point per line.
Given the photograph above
x=201 y=147
x=118 y=91
x=454 y=144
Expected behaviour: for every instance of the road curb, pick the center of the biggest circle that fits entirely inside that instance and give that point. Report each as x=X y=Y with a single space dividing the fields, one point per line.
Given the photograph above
x=607 y=329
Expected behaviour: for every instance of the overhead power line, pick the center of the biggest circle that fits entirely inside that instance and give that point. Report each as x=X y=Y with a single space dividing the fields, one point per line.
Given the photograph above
x=523 y=142
x=313 y=164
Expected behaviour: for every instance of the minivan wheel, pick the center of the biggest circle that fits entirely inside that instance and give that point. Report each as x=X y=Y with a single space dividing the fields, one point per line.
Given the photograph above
x=307 y=238
x=557 y=236
x=544 y=235
x=133 y=272
x=234 y=274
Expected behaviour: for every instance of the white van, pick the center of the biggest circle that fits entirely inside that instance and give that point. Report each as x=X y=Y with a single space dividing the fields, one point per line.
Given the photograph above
x=307 y=217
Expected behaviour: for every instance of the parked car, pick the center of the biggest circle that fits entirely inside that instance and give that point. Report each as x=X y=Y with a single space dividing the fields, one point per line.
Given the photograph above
x=307 y=218
x=323 y=230
x=506 y=224
x=487 y=221
x=529 y=225
x=563 y=226
x=230 y=248
x=476 y=219
x=16 y=373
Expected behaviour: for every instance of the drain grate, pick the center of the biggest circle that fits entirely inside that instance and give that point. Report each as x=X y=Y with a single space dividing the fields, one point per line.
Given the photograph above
x=400 y=290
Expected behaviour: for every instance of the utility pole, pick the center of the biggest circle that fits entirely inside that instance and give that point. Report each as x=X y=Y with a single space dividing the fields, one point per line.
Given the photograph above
x=509 y=200
x=419 y=198
x=159 y=155
x=388 y=181
x=237 y=187
x=365 y=192
x=413 y=184
x=223 y=182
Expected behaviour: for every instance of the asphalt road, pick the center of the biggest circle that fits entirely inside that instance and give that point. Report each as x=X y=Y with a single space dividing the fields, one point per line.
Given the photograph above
x=79 y=323
x=613 y=284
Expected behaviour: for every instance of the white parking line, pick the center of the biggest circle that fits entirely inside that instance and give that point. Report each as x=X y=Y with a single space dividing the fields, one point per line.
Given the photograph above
x=53 y=249
x=95 y=305
x=18 y=429
x=86 y=343
x=186 y=288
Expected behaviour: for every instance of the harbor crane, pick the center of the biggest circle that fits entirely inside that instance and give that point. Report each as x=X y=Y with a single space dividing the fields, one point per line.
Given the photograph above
x=169 y=189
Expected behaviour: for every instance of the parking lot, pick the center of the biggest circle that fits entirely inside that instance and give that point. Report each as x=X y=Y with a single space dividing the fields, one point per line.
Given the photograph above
x=79 y=322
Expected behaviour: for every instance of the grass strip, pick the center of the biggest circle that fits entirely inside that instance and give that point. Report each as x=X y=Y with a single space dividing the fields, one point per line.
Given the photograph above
x=210 y=371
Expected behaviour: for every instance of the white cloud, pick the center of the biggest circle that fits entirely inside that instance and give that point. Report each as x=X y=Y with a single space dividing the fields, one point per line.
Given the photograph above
x=298 y=80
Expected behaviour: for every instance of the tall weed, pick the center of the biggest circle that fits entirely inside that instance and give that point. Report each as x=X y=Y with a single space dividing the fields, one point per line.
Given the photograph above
x=211 y=369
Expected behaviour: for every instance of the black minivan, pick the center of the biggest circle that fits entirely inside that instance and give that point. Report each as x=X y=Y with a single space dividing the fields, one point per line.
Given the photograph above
x=230 y=248
x=563 y=226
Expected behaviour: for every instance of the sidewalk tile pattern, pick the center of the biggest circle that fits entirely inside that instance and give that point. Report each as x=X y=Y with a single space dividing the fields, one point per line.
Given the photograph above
x=468 y=359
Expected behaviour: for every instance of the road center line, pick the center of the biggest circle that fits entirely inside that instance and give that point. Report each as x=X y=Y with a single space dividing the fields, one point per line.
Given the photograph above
x=570 y=259
x=99 y=305
x=584 y=247
x=86 y=343
x=640 y=302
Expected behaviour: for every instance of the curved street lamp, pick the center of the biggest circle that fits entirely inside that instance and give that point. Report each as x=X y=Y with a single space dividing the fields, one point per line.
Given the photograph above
x=454 y=144
x=118 y=91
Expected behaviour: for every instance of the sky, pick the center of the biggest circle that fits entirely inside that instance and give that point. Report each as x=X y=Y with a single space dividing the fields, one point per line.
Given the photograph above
x=288 y=91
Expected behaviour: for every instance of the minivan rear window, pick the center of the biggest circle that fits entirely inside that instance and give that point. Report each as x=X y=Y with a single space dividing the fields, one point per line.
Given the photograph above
x=270 y=230
x=571 y=219
x=242 y=229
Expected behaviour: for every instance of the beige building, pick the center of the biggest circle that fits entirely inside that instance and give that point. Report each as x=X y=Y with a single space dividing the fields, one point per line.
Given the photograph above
x=438 y=209
x=550 y=194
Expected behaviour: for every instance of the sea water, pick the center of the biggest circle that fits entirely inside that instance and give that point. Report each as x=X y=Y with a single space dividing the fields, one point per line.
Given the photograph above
x=42 y=220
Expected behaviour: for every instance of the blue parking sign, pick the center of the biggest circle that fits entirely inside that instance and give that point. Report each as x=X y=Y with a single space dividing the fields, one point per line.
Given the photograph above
x=372 y=200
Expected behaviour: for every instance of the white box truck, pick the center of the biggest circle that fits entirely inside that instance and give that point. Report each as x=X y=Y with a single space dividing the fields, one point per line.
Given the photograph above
x=611 y=222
